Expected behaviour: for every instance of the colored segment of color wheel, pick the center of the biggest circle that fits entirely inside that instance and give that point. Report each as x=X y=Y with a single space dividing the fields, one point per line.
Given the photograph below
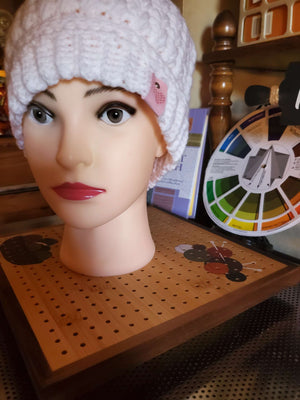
x=252 y=181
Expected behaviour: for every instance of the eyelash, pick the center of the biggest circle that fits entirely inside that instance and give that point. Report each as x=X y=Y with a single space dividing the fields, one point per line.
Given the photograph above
x=35 y=106
x=115 y=106
x=100 y=114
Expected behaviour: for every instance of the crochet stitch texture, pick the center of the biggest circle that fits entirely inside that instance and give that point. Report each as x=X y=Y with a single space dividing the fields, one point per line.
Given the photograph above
x=115 y=42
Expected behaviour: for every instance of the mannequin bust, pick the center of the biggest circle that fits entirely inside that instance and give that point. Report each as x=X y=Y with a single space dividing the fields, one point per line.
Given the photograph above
x=100 y=108
x=91 y=150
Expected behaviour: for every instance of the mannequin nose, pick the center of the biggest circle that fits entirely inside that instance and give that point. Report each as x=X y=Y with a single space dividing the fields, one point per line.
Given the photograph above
x=73 y=151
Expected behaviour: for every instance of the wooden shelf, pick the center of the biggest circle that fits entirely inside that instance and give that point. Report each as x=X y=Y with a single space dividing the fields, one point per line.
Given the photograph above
x=14 y=168
x=17 y=201
x=274 y=55
x=225 y=56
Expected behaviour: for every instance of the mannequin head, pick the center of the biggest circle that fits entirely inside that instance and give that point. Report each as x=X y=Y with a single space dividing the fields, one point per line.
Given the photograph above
x=98 y=95
x=80 y=132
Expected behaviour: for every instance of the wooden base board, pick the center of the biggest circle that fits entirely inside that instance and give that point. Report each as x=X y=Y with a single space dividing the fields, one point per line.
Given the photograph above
x=76 y=332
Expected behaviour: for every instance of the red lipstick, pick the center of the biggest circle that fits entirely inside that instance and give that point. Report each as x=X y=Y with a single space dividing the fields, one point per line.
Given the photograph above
x=77 y=191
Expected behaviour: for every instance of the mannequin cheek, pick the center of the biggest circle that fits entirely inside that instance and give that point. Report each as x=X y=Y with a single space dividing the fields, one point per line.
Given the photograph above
x=24 y=128
x=32 y=143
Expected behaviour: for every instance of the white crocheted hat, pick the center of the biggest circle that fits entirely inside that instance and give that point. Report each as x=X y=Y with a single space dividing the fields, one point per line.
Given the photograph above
x=143 y=46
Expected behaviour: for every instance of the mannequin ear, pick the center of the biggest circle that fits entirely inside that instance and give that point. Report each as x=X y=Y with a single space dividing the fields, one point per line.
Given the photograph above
x=161 y=147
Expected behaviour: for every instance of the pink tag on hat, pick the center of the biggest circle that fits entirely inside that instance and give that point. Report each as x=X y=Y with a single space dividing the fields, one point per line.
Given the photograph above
x=157 y=96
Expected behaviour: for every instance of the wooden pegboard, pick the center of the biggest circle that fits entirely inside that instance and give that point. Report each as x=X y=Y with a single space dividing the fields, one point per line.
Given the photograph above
x=76 y=322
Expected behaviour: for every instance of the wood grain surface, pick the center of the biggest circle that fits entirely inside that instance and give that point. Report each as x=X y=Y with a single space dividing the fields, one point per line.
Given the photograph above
x=70 y=325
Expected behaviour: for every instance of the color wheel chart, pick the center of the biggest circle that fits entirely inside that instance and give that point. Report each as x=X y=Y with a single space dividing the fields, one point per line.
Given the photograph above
x=252 y=181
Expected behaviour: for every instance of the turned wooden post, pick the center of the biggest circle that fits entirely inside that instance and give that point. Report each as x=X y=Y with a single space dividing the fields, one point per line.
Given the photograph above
x=224 y=31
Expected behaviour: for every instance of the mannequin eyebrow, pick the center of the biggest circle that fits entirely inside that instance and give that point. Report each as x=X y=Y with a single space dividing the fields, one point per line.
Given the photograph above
x=90 y=92
x=49 y=94
x=101 y=89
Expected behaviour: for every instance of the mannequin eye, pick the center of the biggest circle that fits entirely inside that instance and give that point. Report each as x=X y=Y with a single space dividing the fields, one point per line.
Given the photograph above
x=40 y=114
x=115 y=113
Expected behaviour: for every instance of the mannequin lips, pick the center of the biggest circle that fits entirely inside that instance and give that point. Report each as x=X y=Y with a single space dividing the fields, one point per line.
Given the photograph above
x=77 y=191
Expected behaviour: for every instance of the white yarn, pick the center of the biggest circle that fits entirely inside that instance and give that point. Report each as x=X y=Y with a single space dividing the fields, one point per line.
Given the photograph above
x=116 y=42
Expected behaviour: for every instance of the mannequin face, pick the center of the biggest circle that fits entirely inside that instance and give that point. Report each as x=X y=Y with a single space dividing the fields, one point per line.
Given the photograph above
x=91 y=150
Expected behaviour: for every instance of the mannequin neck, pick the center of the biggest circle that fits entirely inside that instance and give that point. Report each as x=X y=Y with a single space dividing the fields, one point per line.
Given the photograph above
x=118 y=247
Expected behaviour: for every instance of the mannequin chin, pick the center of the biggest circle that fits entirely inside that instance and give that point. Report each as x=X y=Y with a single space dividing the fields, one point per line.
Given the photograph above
x=91 y=149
